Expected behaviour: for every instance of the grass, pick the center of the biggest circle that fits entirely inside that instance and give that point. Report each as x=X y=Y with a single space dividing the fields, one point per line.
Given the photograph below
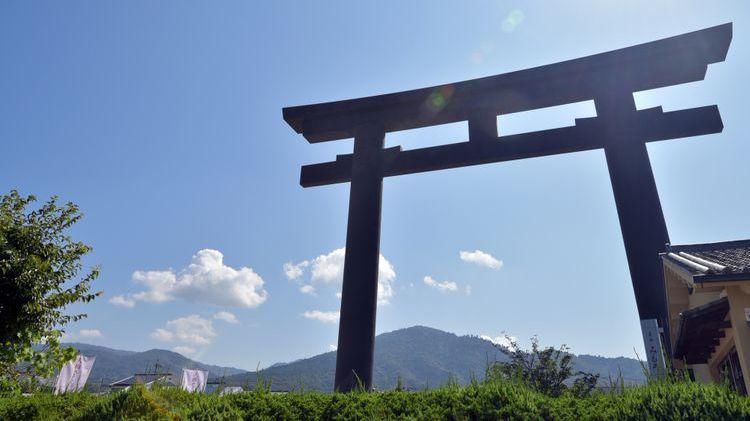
x=494 y=400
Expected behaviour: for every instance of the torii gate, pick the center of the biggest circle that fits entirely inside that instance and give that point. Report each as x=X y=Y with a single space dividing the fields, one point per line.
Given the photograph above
x=609 y=79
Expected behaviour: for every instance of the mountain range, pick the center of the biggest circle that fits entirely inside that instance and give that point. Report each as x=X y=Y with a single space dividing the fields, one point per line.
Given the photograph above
x=114 y=364
x=418 y=357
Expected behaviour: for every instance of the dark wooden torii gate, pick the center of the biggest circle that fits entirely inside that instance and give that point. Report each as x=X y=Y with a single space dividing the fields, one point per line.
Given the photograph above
x=609 y=79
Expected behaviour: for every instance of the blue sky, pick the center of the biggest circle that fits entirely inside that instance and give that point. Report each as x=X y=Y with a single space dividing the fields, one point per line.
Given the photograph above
x=162 y=120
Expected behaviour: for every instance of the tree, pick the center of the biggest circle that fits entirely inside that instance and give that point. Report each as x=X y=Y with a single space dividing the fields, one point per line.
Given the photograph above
x=40 y=275
x=544 y=370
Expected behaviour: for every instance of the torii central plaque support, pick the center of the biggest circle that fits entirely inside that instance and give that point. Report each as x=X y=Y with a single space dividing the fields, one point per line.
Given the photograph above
x=609 y=79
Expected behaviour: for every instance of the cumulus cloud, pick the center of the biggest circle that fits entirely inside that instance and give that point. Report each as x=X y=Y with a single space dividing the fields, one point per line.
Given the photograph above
x=441 y=286
x=163 y=335
x=328 y=269
x=294 y=271
x=206 y=280
x=467 y=289
x=332 y=347
x=226 y=317
x=185 y=350
x=193 y=330
x=506 y=341
x=307 y=289
x=481 y=258
x=90 y=333
x=322 y=316
x=122 y=301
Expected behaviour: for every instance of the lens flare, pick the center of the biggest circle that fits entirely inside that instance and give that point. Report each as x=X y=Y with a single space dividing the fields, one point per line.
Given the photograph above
x=513 y=20
x=439 y=98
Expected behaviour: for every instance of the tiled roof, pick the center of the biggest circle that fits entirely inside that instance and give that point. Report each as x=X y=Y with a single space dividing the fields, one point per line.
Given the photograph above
x=140 y=379
x=712 y=261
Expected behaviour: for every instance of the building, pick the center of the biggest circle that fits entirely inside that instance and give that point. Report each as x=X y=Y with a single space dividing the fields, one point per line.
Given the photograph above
x=146 y=379
x=708 y=300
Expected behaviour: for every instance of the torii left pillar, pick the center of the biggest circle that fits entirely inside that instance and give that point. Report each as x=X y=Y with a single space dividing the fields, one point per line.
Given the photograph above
x=359 y=295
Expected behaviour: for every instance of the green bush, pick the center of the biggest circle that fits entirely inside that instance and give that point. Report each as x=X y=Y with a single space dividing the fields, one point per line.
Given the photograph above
x=491 y=400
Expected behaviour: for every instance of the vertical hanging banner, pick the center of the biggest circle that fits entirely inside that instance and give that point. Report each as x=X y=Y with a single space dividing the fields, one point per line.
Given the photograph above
x=74 y=374
x=194 y=380
x=654 y=350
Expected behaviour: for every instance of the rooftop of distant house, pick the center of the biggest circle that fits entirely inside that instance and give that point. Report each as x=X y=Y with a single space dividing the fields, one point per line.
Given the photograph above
x=144 y=378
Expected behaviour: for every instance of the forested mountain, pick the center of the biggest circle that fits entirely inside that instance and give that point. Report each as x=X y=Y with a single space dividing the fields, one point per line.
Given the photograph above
x=419 y=356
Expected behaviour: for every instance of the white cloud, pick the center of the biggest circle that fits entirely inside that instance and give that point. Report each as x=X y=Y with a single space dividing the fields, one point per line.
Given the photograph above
x=338 y=295
x=193 y=329
x=184 y=350
x=226 y=316
x=294 y=271
x=90 y=333
x=160 y=284
x=307 y=289
x=122 y=301
x=322 y=316
x=206 y=280
x=162 y=335
x=506 y=341
x=332 y=347
x=328 y=269
x=441 y=286
x=481 y=258
x=467 y=289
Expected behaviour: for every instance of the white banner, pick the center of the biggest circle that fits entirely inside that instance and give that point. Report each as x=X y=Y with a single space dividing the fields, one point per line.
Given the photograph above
x=194 y=380
x=73 y=375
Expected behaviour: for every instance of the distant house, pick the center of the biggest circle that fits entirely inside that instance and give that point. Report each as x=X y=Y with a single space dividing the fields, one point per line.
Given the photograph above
x=708 y=301
x=146 y=379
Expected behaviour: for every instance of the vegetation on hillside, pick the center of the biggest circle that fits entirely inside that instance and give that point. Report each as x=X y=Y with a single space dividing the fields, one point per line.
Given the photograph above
x=424 y=357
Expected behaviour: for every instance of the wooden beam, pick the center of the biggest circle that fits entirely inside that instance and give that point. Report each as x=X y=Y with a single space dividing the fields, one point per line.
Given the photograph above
x=650 y=125
x=700 y=343
x=670 y=61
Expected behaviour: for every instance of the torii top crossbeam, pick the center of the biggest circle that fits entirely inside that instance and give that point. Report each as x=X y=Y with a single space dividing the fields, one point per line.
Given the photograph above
x=609 y=79
x=671 y=61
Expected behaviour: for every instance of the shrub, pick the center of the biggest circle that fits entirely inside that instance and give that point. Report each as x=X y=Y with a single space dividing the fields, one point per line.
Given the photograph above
x=492 y=400
x=545 y=370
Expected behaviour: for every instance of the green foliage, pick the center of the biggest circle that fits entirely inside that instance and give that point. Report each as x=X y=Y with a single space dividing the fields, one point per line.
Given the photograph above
x=492 y=400
x=40 y=275
x=545 y=370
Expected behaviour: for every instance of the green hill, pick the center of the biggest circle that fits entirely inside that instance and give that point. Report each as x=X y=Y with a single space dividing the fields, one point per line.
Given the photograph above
x=421 y=357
